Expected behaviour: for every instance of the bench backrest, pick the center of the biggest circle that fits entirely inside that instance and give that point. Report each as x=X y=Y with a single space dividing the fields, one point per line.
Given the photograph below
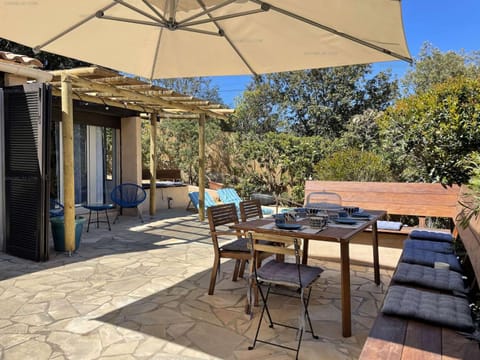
x=470 y=234
x=414 y=199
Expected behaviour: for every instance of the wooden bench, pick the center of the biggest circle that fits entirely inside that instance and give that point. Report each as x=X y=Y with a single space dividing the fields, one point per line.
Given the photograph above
x=410 y=199
x=393 y=338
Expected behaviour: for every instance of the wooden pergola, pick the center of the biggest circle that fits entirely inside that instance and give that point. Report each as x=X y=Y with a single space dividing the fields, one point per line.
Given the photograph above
x=109 y=88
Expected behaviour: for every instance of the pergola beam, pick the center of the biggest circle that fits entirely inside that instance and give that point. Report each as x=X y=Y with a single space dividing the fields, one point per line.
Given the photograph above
x=85 y=71
x=103 y=101
x=135 y=96
x=103 y=86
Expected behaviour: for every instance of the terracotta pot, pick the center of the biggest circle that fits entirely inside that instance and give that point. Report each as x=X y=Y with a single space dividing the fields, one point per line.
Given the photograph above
x=214 y=185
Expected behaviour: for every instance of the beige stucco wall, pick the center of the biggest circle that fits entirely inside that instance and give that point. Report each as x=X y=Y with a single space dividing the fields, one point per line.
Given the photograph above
x=131 y=154
x=179 y=196
x=131 y=149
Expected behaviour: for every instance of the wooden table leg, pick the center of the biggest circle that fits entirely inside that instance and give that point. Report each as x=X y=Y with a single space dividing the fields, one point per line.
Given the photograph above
x=305 y=252
x=345 y=289
x=376 y=262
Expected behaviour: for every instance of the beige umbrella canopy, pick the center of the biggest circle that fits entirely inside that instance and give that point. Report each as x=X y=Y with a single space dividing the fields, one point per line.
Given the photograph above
x=182 y=38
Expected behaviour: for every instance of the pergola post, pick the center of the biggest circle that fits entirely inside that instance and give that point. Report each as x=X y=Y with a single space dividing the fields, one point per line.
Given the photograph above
x=68 y=163
x=201 y=167
x=153 y=162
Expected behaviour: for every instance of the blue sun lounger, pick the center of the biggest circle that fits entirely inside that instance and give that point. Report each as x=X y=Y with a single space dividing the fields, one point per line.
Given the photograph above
x=230 y=196
x=195 y=201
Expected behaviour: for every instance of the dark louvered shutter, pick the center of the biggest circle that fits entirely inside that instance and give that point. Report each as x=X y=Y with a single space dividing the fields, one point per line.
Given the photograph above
x=27 y=119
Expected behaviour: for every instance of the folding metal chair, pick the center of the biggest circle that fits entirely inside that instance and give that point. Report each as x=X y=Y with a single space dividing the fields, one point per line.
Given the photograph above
x=275 y=274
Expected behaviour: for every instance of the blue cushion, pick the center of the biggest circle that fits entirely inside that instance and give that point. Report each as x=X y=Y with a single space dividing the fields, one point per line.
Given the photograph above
x=425 y=276
x=267 y=211
x=431 y=235
x=436 y=246
x=287 y=273
x=439 y=309
x=428 y=258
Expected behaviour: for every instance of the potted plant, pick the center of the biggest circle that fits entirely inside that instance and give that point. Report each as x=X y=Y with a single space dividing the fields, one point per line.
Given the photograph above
x=58 y=232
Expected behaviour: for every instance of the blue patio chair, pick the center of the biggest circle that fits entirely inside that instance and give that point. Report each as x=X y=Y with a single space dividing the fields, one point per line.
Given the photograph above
x=195 y=201
x=56 y=208
x=128 y=196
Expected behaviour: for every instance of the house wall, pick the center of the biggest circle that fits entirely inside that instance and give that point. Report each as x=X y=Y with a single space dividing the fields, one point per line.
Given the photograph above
x=131 y=155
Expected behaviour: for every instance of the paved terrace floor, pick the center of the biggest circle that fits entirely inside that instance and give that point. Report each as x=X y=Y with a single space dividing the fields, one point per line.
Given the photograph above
x=140 y=292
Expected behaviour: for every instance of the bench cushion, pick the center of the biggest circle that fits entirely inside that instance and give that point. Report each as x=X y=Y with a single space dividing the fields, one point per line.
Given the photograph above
x=440 y=309
x=436 y=246
x=440 y=279
x=431 y=235
x=429 y=258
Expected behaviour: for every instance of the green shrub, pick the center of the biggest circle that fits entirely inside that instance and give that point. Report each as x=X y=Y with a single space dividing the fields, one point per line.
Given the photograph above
x=353 y=165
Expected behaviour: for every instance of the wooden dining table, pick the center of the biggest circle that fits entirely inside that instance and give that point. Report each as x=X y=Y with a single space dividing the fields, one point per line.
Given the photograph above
x=339 y=233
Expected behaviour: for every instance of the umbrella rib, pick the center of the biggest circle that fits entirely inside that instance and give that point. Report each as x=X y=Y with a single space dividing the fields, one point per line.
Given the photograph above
x=146 y=2
x=140 y=22
x=206 y=11
x=224 y=17
x=220 y=30
x=206 y=32
x=73 y=27
x=333 y=31
x=141 y=12
x=157 y=51
x=239 y=54
x=173 y=9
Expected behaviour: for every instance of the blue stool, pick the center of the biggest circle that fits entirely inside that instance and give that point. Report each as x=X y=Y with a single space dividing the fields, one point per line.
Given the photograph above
x=97 y=208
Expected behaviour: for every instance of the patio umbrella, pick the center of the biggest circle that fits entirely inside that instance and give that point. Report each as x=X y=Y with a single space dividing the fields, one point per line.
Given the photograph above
x=182 y=38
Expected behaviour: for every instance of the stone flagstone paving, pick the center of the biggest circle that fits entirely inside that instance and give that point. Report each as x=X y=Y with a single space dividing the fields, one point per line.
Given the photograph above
x=140 y=292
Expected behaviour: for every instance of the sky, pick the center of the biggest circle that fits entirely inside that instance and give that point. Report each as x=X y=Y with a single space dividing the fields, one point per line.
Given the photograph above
x=449 y=25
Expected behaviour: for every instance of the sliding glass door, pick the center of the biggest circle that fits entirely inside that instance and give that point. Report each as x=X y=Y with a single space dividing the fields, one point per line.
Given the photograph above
x=95 y=160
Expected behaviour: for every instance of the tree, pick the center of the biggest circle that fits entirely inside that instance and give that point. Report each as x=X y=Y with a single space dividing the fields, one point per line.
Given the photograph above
x=314 y=102
x=278 y=163
x=353 y=165
x=177 y=142
x=434 y=67
x=362 y=131
x=50 y=61
x=257 y=111
x=199 y=87
x=427 y=137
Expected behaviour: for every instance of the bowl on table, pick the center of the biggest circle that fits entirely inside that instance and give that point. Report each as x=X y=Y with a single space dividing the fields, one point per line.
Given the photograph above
x=319 y=221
